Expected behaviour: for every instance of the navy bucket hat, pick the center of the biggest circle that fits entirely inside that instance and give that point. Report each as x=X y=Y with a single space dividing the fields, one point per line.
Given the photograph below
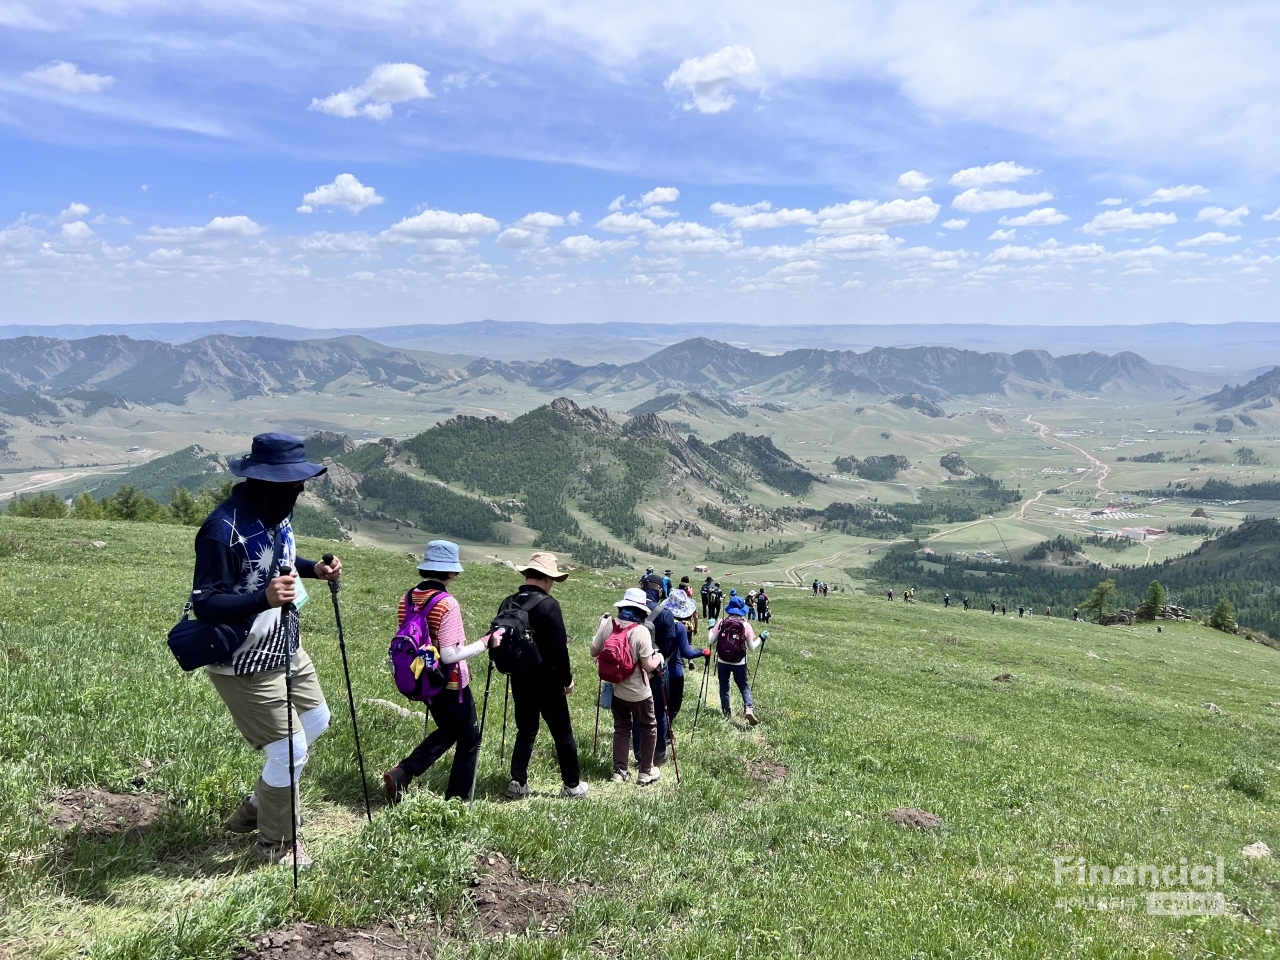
x=276 y=458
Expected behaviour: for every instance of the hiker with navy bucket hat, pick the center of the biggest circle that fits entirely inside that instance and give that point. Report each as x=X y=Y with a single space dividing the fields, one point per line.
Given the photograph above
x=732 y=638
x=246 y=577
x=451 y=705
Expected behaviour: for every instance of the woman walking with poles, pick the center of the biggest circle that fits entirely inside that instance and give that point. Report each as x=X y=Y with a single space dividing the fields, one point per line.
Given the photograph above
x=453 y=708
x=246 y=577
x=625 y=658
x=732 y=639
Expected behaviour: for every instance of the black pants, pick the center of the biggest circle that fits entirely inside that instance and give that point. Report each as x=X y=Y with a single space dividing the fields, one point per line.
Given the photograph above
x=675 y=694
x=540 y=697
x=455 y=723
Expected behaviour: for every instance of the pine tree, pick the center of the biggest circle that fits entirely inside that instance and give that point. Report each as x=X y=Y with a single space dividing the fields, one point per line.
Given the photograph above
x=1101 y=598
x=1224 y=616
x=1157 y=596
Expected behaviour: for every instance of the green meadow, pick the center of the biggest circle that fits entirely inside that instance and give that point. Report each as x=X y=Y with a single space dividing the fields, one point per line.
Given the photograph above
x=1094 y=744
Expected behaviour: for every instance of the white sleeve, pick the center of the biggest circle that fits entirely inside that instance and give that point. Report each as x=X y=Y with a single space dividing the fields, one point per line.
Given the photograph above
x=452 y=654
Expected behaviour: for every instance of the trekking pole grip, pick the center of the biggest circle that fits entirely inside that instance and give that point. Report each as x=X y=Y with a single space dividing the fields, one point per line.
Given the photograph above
x=334 y=586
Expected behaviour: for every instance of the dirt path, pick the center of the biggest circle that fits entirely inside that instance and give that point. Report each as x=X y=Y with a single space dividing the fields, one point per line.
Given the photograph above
x=1102 y=469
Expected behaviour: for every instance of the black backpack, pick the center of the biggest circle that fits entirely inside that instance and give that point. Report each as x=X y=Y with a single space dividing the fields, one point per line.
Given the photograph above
x=518 y=653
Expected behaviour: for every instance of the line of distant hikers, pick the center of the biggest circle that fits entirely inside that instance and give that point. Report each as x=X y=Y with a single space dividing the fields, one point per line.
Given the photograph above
x=1024 y=610
x=248 y=587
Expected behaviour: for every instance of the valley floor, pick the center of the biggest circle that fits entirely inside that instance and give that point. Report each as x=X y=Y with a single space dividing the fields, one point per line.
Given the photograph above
x=1030 y=740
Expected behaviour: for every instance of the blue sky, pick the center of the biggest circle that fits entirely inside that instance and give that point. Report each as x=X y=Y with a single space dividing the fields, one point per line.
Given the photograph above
x=340 y=163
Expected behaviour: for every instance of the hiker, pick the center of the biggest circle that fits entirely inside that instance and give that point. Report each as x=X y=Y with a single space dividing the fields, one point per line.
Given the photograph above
x=666 y=583
x=717 y=598
x=763 y=613
x=690 y=622
x=625 y=657
x=706 y=598
x=891 y=594
x=543 y=693
x=733 y=639
x=824 y=589
x=751 y=605
x=815 y=587
x=453 y=708
x=965 y=601
x=1004 y=610
x=946 y=599
x=240 y=550
x=1021 y=608
x=1075 y=614
x=1048 y=611
x=667 y=625
x=651 y=583
x=993 y=608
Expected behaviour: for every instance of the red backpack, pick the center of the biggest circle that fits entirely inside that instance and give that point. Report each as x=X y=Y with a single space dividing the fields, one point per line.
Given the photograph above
x=616 y=661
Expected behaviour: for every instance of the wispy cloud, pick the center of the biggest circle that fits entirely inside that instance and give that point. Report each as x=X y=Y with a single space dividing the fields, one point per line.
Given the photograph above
x=974 y=200
x=1118 y=221
x=1172 y=194
x=1006 y=171
x=67 y=77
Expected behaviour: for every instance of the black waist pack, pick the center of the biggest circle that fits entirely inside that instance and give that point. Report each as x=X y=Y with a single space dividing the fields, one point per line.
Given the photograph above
x=196 y=644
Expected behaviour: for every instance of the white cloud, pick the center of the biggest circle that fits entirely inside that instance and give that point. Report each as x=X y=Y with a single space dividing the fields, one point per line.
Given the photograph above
x=617 y=202
x=1003 y=235
x=573 y=219
x=345 y=191
x=219 y=228
x=1043 y=217
x=387 y=83
x=625 y=223
x=1223 y=217
x=1006 y=171
x=74 y=211
x=443 y=223
x=914 y=180
x=1111 y=202
x=1117 y=221
x=335 y=244
x=1214 y=238
x=1170 y=194
x=67 y=77
x=79 y=230
x=1050 y=250
x=761 y=216
x=706 y=79
x=585 y=248
x=870 y=216
x=531 y=230
x=955 y=224
x=659 y=195
x=659 y=212
x=974 y=200
x=1272 y=216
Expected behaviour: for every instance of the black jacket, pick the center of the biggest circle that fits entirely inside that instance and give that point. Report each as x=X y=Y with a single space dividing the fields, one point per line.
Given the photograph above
x=547 y=623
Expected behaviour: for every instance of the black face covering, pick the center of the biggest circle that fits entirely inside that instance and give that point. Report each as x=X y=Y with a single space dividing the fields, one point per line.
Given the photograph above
x=273 y=501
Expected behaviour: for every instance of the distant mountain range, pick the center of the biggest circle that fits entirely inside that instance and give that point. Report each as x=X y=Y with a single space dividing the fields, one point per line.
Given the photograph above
x=151 y=371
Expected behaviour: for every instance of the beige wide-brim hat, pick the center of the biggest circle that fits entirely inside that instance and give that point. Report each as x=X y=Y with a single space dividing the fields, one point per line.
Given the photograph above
x=545 y=565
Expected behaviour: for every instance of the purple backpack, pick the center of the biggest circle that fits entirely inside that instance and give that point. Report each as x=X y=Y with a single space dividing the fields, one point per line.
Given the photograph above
x=416 y=666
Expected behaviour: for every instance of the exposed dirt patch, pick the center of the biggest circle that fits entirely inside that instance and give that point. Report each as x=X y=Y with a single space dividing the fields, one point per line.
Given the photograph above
x=766 y=771
x=305 y=941
x=100 y=813
x=914 y=817
x=1003 y=678
x=504 y=900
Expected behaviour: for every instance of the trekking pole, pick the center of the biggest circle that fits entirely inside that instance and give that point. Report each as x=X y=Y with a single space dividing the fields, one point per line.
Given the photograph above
x=595 y=739
x=334 y=587
x=702 y=693
x=285 y=610
x=502 y=748
x=484 y=714
x=671 y=734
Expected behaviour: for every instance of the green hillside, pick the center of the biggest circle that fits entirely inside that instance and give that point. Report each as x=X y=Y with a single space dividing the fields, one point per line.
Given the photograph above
x=192 y=468
x=1030 y=740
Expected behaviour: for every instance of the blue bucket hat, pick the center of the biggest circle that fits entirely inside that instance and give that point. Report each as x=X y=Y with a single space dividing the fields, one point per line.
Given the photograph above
x=737 y=607
x=441 y=557
x=276 y=458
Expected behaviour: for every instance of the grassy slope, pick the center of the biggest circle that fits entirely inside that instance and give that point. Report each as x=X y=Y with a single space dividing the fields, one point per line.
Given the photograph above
x=1109 y=757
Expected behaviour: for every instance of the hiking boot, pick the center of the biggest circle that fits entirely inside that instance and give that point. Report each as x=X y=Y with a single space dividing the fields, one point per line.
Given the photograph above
x=620 y=776
x=272 y=851
x=751 y=716
x=653 y=776
x=245 y=818
x=659 y=758
x=727 y=714
x=516 y=790
x=394 y=782
x=574 y=792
